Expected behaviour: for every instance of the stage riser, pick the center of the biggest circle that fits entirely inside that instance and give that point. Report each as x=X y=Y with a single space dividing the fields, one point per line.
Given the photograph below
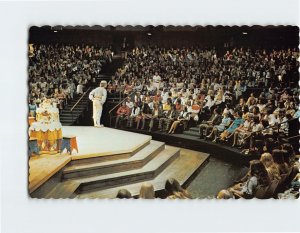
x=101 y=159
x=114 y=183
x=184 y=168
x=106 y=158
x=114 y=168
x=130 y=179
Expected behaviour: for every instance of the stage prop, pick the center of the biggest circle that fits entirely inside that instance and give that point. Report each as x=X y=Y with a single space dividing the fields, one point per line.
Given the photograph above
x=47 y=128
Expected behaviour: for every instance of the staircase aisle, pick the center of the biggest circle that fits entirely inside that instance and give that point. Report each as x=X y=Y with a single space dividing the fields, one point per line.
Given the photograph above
x=81 y=114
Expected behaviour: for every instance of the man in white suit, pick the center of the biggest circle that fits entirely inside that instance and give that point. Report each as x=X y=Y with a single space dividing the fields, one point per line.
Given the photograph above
x=98 y=96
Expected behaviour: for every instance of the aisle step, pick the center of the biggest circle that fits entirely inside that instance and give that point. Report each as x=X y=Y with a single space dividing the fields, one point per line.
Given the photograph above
x=192 y=133
x=63 y=190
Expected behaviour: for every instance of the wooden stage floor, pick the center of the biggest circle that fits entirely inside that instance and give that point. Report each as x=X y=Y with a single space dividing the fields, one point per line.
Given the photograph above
x=92 y=142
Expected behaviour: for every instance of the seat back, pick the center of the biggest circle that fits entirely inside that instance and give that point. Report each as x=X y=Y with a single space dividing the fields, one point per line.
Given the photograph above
x=267 y=192
x=271 y=189
x=260 y=192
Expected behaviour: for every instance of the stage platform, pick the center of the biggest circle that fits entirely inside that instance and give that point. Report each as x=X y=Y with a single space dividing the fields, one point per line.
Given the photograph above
x=95 y=142
x=98 y=143
x=108 y=159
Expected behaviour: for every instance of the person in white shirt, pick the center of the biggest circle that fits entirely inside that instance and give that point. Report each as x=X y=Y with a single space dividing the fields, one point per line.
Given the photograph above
x=156 y=81
x=129 y=103
x=135 y=112
x=98 y=96
x=79 y=89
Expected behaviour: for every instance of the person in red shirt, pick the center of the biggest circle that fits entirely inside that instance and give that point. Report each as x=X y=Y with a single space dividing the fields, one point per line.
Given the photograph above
x=122 y=114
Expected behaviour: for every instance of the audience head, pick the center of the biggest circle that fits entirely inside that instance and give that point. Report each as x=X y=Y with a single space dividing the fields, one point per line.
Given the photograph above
x=267 y=159
x=173 y=187
x=290 y=152
x=258 y=169
x=124 y=194
x=147 y=191
x=278 y=156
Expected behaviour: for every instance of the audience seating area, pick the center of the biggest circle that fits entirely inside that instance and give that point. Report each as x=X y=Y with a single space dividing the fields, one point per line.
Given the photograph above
x=63 y=72
x=244 y=98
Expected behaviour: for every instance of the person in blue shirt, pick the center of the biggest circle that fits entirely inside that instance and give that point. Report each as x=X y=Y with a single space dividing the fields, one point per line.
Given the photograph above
x=234 y=125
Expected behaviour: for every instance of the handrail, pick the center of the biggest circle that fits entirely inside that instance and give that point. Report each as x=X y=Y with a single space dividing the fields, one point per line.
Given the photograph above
x=119 y=105
x=121 y=101
x=80 y=99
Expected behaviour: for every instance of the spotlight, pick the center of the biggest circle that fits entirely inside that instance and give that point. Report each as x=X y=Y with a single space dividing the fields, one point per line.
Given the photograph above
x=245 y=33
x=55 y=31
x=149 y=34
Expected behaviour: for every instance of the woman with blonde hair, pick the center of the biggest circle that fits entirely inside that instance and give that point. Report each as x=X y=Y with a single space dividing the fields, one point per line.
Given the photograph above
x=147 y=191
x=271 y=166
x=175 y=191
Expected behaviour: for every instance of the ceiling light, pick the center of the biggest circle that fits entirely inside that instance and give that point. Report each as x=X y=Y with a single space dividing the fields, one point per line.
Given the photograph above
x=245 y=33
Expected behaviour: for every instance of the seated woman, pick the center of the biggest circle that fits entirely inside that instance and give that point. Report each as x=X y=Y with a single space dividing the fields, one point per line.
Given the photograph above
x=220 y=128
x=255 y=112
x=147 y=191
x=175 y=191
x=255 y=133
x=258 y=177
x=183 y=118
x=243 y=131
x=272 y=168
x=61 y=98
x=235 y=124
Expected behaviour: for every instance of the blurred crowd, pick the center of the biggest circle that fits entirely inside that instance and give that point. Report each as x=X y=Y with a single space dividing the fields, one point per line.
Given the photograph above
x=60 y=72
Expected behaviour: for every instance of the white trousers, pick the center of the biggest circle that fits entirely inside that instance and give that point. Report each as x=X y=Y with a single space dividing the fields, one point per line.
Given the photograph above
x=156 y=85
x=97 y=112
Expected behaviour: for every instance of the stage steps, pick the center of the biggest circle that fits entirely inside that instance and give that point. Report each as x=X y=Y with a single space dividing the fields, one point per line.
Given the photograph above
x=63 y=190
x=147 y=172
x=184 y=169
x=102 y=176
x=108 y=157
x=138 y=160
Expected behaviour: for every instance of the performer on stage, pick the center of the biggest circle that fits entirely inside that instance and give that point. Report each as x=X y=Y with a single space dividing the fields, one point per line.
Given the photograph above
x=98 y=96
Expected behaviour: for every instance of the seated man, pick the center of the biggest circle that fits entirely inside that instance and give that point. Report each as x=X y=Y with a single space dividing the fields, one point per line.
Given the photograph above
x=156 y=114
x=145 y=113
x=215 y=119
x=122 y=114
x=166 y=122
x=135 y=113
